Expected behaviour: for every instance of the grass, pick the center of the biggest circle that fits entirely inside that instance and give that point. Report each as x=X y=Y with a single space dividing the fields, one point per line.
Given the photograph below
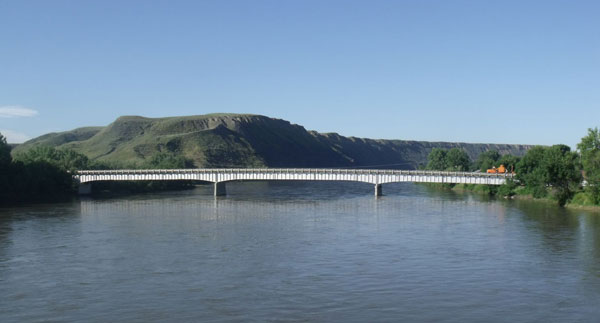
x=242 y=140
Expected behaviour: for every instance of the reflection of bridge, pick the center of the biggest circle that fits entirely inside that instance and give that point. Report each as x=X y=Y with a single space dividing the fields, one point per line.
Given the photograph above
x=221 y=175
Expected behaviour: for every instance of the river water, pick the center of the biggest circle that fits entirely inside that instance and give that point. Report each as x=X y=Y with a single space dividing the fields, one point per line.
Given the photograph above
x=299 y=252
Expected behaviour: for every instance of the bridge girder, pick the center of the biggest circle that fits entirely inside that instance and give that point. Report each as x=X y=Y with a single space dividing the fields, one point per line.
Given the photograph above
x=267 y=174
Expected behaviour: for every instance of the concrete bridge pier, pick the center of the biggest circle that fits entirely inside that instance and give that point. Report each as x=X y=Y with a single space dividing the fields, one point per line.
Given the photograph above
x=85 y=189
x=220 y=189
x=378 y=190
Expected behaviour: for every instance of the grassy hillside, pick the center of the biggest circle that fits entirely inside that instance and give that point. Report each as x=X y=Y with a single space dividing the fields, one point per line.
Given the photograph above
x=59 y=138
x=241 y=140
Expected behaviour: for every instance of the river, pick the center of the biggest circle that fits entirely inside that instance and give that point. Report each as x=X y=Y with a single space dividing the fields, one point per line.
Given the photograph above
x=324 y=252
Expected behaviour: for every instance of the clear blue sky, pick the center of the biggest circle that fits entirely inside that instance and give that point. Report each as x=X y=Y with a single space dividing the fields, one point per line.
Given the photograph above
x=472 y=71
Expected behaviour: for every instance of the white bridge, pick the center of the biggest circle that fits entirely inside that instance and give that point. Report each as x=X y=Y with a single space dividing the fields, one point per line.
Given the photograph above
x=219 y=176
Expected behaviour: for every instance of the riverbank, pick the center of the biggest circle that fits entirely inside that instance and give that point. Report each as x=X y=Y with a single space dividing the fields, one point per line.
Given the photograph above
x=580 y=200
x=100 y=189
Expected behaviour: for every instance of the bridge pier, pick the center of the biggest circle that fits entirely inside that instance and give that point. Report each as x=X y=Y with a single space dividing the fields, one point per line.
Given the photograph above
x=220 y=189
x=85 y=189
x=378 y=190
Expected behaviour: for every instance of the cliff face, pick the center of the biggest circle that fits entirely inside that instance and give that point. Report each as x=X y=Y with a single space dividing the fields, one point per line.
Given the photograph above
x=234 y=140
x=405 y=154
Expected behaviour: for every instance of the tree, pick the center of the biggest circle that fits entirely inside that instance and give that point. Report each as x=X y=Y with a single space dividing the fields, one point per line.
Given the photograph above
x=5 y=173
x=561 y=172
x=530 y=172
x=39 y=181
x=509 y=161
x=589 y=148
x=5 y=149
x=457 y=160
x=65 y=159
x=486 y=160
x=40 y=175
x=550 y=168
x=71 y=160
x=436 y=160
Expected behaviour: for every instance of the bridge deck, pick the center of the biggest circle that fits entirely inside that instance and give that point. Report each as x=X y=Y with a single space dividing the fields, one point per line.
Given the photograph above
x=221 y=175
x=229 y=174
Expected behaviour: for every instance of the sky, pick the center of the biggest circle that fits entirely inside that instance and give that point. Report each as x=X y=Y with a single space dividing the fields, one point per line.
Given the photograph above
x=518 y=72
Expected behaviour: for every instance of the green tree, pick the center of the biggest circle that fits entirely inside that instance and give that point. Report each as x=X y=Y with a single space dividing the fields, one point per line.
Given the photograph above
x=561 y=172
x=39 y=181
x=486 y=160
x=436 y=160
x=507 y=189
x=509 y=161
x=530 y=172
x=5 y=173
x=5 y=149
x=589 y=148
x=550 y=168
x=37 y=177
x=457 y=160
x=65 y=159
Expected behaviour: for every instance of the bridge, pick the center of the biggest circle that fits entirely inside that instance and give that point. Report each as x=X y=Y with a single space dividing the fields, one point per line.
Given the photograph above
x=219 y=176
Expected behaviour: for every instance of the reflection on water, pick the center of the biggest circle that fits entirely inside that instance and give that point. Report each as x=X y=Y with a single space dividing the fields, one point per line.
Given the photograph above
x=299 y=251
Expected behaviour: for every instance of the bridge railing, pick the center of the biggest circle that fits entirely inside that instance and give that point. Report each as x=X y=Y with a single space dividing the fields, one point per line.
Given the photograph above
x=290 y=171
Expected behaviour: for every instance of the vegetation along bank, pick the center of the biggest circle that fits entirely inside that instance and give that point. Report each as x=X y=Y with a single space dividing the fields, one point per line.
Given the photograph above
x=43 y=174
x=556 y=173
x=40 y=169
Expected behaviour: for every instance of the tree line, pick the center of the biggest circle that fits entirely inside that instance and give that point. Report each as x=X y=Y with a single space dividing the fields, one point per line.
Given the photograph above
x=44 y=174
x=553 y=172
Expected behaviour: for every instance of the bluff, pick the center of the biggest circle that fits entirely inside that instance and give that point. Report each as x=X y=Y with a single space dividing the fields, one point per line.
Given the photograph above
x=243 y=140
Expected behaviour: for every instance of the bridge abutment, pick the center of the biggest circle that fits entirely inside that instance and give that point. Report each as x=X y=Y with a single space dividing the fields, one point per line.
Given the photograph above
x=378 y=190
x=220 y=189
x=85 y=189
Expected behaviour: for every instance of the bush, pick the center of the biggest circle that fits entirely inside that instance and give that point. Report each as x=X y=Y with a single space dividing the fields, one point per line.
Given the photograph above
x=507 y=189
x=582 y=198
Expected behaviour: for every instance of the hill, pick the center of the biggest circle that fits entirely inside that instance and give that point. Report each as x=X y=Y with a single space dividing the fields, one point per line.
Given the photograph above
x=243 y=140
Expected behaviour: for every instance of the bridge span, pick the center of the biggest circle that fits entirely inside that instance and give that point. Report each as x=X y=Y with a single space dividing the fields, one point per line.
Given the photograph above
x=219 y=176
